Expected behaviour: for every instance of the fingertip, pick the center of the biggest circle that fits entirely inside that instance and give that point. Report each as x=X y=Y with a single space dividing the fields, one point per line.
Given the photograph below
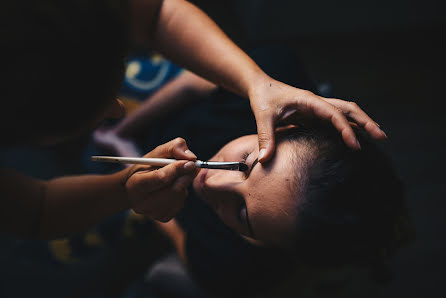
x=265 y=154
x=354 y=143
x=262 y=153
x=184 y=154
x=265 y=135
x=189 y=166
x=377 y=133
x=190 y=154
x=351 y=141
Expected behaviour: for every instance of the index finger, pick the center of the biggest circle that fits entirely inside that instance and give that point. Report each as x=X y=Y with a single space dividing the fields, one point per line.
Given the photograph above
x=265 y=134
x=177 y=148
x=353 y=111
x=327 y=111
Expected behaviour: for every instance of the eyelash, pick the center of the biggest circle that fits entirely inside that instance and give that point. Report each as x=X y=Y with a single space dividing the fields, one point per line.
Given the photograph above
x=244 y=157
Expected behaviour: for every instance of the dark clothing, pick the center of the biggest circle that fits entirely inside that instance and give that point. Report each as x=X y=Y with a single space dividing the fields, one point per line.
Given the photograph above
x=219 y=259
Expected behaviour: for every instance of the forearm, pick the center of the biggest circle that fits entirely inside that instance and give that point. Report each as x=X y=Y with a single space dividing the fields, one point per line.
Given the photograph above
x=71 y=204
x=178 y=93
x=187 y=36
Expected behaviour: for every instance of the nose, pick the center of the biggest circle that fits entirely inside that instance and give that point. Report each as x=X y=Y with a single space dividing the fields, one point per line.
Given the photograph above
x=116 y=109
x=223 y=181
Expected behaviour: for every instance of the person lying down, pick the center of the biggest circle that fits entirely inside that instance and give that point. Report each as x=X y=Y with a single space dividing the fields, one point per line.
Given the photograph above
x=315 y=204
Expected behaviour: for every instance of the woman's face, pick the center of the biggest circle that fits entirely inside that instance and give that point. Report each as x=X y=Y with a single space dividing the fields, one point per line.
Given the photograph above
x=260 y=204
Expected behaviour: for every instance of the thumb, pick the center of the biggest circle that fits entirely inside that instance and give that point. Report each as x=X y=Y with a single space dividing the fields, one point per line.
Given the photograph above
x=265 y=133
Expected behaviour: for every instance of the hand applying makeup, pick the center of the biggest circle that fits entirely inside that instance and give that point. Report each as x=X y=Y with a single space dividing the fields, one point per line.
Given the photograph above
x=160 y=193
x=178 y=35
x=273 y=102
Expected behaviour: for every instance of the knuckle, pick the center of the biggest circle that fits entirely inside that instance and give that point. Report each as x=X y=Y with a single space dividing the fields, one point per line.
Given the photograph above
x=353 y=105
x=157 y=149
x=305 y=95
x=161 y=177
x=337 y=110
x=308 y=93
x=179 y=141
x=263 y=136
x=136 y=181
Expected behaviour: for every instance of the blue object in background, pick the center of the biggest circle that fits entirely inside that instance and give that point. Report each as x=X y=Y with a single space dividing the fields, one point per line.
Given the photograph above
x=145 y=74
x=69 y=266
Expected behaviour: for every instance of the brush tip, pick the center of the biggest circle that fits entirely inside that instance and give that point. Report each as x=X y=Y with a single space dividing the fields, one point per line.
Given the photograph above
x=242 y=167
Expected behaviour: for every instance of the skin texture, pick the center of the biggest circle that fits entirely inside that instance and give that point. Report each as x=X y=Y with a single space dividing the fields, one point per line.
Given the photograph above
x=260 y=204
x=270 y=199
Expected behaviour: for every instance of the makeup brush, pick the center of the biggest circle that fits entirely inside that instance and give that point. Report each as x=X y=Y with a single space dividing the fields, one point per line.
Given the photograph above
x=161 y=162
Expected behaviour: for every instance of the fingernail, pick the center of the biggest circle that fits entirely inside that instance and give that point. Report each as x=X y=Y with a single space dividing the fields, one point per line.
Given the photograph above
x=262 y=154
x=190 y=153
x=189 y=165
x=357 y=144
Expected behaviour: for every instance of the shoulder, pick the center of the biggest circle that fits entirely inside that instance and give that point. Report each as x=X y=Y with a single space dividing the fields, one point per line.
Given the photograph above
x=143 y=18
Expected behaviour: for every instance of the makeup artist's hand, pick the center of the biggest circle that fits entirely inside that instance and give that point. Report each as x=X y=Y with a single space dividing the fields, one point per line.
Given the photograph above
x=274 y=102
x=159 y=193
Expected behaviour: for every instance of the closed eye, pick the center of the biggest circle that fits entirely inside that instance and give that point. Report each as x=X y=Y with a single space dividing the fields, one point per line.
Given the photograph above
x=252 y=166
x=244 y=219
x=244 y=157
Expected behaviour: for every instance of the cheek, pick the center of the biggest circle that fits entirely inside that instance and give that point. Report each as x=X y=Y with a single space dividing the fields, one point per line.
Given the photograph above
x=228 y=215
x=227 y=208
x=274 y=220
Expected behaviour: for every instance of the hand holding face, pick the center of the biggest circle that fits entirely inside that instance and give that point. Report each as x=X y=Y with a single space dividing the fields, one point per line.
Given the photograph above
x=273 y=102
x=159 y=193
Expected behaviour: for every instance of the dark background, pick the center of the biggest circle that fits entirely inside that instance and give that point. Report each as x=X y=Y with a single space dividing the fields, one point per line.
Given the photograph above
x=389 y=57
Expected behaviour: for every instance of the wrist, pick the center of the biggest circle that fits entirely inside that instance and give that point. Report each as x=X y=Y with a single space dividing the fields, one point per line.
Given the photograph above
x=257 y=83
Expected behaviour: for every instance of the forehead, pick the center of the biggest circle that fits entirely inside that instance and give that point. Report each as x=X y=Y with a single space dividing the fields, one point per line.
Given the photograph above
x=273 y=194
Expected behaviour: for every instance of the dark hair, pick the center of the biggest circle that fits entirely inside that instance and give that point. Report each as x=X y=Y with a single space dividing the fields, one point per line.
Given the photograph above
x=62 y=63
x=353 y=208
